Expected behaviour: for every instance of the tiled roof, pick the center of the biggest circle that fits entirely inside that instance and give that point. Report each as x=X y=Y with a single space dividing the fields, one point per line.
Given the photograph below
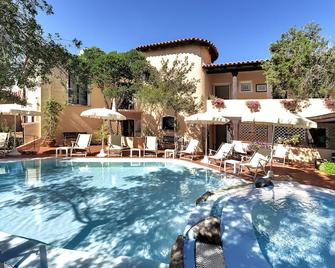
x=237 y=66
x=237 y=63
x=181 y=42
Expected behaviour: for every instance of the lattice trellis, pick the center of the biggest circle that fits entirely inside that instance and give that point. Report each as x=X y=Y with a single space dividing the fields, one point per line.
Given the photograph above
x=252 y=132
x=284 y=132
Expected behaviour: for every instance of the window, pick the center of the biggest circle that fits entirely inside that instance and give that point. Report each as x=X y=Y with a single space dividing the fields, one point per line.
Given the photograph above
x=76 y=94
x=245 y=86
x=168 y=123
x=261 y=88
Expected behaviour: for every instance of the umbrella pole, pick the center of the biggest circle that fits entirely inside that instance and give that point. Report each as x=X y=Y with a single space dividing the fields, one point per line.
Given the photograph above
x=14 y=152
x=205 y=160
x=102 y=151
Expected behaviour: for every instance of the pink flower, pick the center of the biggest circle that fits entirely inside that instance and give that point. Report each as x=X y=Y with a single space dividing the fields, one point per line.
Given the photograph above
x=254 y=106
x=218 y=102
x=330 y=104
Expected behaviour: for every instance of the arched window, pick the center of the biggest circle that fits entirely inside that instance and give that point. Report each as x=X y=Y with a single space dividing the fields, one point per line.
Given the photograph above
x=168 y=123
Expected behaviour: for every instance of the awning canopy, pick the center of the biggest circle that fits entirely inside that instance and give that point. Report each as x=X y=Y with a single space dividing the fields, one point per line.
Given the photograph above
x=284 y=119
x=207 y=118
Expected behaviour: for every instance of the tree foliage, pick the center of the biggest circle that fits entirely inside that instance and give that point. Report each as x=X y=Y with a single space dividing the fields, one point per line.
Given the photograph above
x=51 y=116
x=27 y=54
x=173 y=89
x=118 y=75
x=7 y=96
x=302 y=64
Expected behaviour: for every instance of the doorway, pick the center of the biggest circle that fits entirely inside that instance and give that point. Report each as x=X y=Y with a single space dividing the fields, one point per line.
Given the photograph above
x=220 y=135
x=222 y=91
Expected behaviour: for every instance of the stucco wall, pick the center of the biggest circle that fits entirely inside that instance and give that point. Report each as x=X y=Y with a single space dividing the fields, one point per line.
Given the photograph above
x=70 y=119
x=256 y=77
x=197 y=55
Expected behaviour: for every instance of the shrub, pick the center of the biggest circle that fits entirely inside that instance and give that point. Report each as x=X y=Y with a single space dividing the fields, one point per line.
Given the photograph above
x=101 y=133
x=328 y=167
x=294 y=140
x=51 y=116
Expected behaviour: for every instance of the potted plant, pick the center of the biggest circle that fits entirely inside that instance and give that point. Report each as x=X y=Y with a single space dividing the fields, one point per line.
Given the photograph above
x=254 y=106
x=51 y=119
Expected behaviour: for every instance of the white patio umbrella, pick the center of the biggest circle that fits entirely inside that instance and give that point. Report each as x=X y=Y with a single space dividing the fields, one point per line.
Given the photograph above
x=104 y=114
x=17 y=110
x=283 y=119
x=206 y=118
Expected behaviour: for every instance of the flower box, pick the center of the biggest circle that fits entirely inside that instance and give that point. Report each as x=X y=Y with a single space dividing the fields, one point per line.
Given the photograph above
x=330 y=104
x=218 y=102
x=290 y=105
x=254 y=106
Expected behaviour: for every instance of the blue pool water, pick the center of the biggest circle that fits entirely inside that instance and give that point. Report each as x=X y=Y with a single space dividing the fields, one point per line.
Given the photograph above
x=296 y=229
x=124 y=209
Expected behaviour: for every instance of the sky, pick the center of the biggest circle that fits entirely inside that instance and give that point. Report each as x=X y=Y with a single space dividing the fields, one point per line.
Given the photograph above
x=240 y=29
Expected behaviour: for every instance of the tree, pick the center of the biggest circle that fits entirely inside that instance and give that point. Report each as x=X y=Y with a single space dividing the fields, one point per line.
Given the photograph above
x=172 y=90
x=302 y=64
x=119 y=76
x=27 y=54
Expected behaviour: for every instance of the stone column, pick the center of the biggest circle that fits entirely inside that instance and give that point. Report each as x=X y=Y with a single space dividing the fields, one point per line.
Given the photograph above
x=235 y=89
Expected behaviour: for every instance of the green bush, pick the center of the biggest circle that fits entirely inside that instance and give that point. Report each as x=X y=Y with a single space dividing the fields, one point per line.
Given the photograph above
x=101 y=133
x=293 y=140
x=328 y=167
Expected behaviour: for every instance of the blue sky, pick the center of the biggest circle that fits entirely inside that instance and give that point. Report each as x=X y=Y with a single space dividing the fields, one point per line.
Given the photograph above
x=241 y=29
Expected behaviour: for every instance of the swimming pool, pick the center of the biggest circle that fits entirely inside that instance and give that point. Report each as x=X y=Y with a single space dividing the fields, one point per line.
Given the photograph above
x=123 y=208
x=291 y=225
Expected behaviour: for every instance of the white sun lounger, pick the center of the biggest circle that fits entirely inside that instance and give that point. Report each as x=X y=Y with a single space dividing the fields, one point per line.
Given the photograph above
x=115 y=145
x=82 y=145
x=151 y=145
x=280 y=152
x=222 y=153
x=256 y=162
x=190 y=149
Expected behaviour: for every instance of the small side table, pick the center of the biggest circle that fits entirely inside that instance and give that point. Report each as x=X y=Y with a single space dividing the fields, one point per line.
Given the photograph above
x=169 y=153
x=232 y=162
x=135 y=150
x=64 y=148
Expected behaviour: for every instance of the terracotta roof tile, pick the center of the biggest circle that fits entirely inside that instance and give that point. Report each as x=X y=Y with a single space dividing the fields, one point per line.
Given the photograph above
x=181 y=42
x=236 y=63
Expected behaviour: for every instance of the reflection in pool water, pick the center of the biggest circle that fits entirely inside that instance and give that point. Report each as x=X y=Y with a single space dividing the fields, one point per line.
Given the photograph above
x=124 y=209
x=296 y=230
